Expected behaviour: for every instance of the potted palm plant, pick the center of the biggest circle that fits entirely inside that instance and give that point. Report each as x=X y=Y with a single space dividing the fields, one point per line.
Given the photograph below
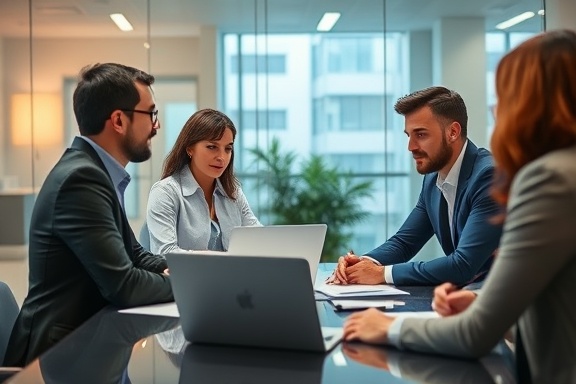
x=318 y=193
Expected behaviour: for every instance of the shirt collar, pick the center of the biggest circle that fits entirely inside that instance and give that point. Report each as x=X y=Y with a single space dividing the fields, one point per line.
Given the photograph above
x=116 y=171
x=191 y=186
x=452 y=177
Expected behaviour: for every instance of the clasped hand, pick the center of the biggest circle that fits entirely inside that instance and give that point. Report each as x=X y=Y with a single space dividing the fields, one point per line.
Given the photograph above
x=352 y=269
x=450 y=300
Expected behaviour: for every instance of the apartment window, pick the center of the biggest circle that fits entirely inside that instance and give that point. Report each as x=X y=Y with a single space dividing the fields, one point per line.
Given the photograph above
x=363 y=163
x=497 y=45
x=259 y=64
x=361 y=113
x=274 y=120
x=350 y=55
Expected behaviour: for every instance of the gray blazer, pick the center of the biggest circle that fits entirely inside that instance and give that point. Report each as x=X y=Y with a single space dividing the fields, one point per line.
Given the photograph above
x=531 y=281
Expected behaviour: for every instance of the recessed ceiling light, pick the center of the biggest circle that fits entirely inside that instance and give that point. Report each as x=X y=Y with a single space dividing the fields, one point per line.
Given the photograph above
x=121 y=22
x=515 y=20
x=327 y=21
x=57 y=10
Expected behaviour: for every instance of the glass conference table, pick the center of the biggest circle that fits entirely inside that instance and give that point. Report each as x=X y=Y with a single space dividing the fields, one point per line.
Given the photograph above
x=114 y=347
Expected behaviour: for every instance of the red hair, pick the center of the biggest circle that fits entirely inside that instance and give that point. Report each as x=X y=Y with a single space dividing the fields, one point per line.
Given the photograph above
x=536 y=111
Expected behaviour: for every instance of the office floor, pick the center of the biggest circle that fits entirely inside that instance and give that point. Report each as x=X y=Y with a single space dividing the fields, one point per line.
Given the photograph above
x=14 y=270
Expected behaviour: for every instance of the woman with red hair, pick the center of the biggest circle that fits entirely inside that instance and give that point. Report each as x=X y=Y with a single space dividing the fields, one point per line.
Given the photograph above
x=533 y=280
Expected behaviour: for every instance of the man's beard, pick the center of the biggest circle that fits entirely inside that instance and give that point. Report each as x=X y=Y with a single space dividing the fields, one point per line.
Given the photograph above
x=136 y=152
x=436 y=163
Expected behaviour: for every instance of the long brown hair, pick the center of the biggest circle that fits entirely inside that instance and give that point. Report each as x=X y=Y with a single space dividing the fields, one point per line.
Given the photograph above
x=536 y=111
x=206 y=124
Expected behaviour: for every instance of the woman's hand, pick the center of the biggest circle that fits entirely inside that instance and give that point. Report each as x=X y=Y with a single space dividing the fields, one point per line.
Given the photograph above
x=449 y=300
x=369 y=326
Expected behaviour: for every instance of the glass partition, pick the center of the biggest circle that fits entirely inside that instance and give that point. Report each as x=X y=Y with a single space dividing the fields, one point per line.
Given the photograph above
x=16 y=100
x=17 y=155
x=331 y=95
x=327 y=95
x=323 y=100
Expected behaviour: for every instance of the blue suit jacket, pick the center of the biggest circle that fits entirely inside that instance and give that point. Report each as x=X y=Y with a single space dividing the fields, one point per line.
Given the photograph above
x=475 y=237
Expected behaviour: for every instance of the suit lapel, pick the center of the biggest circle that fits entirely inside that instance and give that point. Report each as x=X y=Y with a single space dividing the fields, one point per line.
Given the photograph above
x=126 y=232
x=463 y=178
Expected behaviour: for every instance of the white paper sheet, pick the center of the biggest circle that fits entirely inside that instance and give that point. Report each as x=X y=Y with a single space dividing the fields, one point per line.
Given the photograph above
x=344 y=305
x=164 y=309
x=357 y=290
x=422 y=315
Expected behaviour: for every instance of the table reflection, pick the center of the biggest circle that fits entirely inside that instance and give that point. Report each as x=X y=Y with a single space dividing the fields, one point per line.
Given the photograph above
x=173 y=343
x=432 y=369
x=97 y=352
x=109 y=348
x=213 y=364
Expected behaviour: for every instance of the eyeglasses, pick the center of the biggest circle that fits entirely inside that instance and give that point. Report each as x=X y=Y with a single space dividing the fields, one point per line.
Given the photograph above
x=153 y=114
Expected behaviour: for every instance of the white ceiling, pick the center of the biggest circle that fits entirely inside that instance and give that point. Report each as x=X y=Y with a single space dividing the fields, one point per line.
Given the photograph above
x=90 y=18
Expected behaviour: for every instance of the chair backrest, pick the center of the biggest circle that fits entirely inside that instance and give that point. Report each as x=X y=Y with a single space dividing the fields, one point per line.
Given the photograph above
x=144 y=237
x=8 y=314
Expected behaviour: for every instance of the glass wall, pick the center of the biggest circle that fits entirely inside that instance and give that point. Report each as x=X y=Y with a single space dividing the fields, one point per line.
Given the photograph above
x=325 y=98
x=497 y=44
x=328 y=95
x=18 y=157
x=332 y=94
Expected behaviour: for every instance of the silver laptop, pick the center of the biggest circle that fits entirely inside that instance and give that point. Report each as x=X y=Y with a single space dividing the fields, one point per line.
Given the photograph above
x=303 y=241
x=248 y=301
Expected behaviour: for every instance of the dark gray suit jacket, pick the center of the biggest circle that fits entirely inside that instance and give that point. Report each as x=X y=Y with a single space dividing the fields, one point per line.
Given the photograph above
x=83 y=256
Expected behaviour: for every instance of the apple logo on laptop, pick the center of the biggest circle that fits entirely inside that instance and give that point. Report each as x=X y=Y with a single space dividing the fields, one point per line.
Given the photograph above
x=245 y=300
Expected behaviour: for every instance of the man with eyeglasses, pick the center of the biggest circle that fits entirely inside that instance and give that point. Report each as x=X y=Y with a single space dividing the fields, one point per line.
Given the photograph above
x=83 y=254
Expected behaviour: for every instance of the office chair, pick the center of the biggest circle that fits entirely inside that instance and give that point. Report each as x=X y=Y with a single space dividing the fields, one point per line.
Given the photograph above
x=8 y=313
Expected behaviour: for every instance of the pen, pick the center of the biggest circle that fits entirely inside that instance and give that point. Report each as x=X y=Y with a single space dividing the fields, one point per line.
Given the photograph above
x=330 y=279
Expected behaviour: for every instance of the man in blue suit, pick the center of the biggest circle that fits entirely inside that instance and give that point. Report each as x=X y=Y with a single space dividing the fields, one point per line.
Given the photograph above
x=454 y=204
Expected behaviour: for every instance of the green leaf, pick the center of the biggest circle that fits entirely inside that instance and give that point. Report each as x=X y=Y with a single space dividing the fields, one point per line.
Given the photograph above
x=318 y=193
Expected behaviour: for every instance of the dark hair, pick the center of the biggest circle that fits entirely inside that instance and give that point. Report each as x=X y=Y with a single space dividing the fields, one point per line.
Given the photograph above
x=102 y=89
x=536 y=111
x=443 y=102
x=206 y=124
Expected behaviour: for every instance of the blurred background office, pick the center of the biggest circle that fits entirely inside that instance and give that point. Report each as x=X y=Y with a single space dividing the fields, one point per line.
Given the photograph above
x=310 y=100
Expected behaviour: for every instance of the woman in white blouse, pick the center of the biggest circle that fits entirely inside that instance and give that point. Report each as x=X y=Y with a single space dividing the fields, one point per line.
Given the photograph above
x=198 y=200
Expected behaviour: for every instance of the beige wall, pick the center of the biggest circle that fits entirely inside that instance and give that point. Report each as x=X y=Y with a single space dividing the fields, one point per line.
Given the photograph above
x=53 y=60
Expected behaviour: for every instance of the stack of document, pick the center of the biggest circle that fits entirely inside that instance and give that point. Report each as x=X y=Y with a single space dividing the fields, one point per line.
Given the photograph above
x=349 y=305
x=352 y=291
x=345 y=297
